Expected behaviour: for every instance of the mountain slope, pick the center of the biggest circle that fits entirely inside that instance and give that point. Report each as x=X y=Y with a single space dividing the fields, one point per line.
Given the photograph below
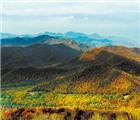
x=18 y=41
x=26 y=40
x=80 y=75
x=103 y=74
x=68 y=42
x=131 y=53
x=94 y=40
x=38 y=55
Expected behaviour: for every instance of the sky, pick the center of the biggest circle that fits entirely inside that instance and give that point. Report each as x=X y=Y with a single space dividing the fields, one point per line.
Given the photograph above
x=106 y=17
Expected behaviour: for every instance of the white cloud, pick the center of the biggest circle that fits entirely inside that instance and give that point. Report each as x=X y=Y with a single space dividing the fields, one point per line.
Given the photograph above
x=71 y=1
x=25 y=9
x=107 y=17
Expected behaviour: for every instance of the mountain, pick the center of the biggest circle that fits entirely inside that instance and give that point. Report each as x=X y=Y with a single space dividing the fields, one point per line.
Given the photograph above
x=96 y=36
x=37 y=55
x=92 y=40
x=108 y=70
x=21 y=41
x=7 y=35
x=26 y=40
x=130 y=53
x=68 y=42
x=51 y=34
x=74 y=34
x=79 y=37
x=57 y=76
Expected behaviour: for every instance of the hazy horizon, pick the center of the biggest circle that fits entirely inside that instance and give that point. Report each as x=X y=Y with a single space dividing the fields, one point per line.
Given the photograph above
x=108 y=18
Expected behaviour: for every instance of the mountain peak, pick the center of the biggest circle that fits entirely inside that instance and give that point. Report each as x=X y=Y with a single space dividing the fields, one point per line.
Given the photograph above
x=74 y=33
x=130 y=53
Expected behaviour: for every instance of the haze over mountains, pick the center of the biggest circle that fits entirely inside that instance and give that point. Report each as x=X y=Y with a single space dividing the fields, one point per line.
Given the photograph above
x=93 y=40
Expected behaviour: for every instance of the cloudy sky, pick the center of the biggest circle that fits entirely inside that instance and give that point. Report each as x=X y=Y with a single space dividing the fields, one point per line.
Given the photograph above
x=106 y=17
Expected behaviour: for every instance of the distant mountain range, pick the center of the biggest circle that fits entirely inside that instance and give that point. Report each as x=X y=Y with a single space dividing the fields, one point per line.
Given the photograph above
x=71 y=43
x=24 y=41
x=81 y=39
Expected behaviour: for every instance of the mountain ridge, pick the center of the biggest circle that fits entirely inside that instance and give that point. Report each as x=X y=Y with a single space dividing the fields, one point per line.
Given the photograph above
x=97 y=76
x=92 y=40
x=37 y=55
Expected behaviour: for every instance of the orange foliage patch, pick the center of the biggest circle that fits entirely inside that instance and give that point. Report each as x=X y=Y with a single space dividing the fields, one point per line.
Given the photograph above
x=84 y=86
x=123 y=51
x=90 y=55
x=121 y=83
